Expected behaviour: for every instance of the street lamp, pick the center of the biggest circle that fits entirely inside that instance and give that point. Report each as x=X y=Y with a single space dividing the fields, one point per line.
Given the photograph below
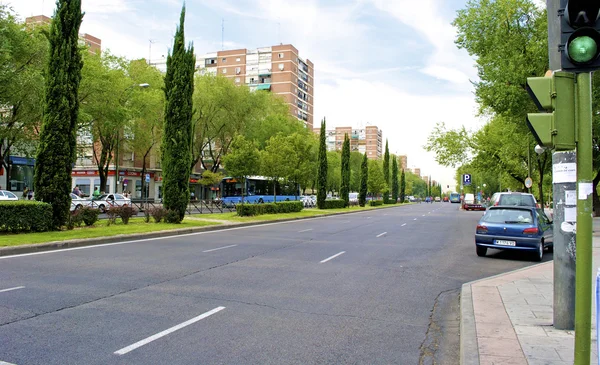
x=143 y=86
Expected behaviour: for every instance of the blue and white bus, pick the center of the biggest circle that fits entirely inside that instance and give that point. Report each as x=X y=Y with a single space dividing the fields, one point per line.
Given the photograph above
x=454 y=198
x=259 y=189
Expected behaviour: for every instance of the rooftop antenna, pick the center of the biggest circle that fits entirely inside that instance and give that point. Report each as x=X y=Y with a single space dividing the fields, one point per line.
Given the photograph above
x=222 y=34
x=279 y=32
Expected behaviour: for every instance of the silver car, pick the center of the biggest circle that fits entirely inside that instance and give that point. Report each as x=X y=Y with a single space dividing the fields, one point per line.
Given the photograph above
x=105 y=201
x=7 y=195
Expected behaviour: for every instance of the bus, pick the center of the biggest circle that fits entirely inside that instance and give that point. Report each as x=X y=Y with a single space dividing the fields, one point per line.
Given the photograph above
x=259 y=189
x=455 y=198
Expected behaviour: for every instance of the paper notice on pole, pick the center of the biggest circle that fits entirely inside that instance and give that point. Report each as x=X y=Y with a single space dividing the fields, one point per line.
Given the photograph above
x=585 y=189
x=571 y=214
x=570 y=197
x=564 y=173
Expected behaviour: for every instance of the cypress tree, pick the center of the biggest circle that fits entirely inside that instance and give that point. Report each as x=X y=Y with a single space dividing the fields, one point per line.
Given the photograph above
x=394 y=181
x=364 y=178
x=402 y=187
x=322 y=172
x=176 y=143
x=386 y=172
x=345 y=188
x=57 y=149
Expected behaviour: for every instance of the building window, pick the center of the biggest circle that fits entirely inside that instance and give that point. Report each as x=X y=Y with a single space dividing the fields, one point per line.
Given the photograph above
x=224 y=70
x=224 y=60
x=237 y=80
x=281 y=66
x=280 y=55
x=238 y=70
x=238 y=59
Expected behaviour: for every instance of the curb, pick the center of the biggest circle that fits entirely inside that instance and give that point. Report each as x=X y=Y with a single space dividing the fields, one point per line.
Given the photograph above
x=57 y=245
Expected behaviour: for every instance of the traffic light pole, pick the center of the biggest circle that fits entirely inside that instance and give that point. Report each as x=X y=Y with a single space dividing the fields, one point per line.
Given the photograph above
x=583 y=273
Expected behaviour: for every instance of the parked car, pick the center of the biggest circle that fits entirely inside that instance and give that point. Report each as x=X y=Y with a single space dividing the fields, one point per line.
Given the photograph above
x=514 y=228
x=78 y=202
x=353 y=198
x=7 y=195
x=437 y=199
x=514 y=198
x=446 y=199
x=308 y=201
x=428 y=199
x=469 y=203
x=106 y=201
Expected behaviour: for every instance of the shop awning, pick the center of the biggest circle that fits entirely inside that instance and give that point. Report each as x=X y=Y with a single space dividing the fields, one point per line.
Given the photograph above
x=263 y=87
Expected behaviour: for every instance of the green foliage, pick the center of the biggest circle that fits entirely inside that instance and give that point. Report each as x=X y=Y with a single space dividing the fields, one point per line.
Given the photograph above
x=172 y=216
x=268 y=208
x=125 y=213
x=334 y=171
x=158 y=214
x=375 y=203
x=376 y=181
x=89 y=215
x=210 y=178
x=57 y=149
x=322 y=171
x=75 y=219
x=334 y=204
x=403 y=187
x=355 y=166
x=242 y=160
x=364 y=178
x=25 y=216
x=345 y=188
x=386 y=172
x=176 y=144
x=395 y=180
x=278 y=159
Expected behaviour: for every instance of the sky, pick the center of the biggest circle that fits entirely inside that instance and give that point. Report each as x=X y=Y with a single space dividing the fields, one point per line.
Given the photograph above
x=389 y=63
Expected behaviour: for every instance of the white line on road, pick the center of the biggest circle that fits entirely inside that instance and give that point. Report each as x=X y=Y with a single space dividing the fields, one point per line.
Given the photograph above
x=381 y=234
x=6 y=363
x=9 y=289
x=332 y=257
x=415 y=219
x=305 y=230
x=147 y=340
x=220 y=248
x=403 y=225
x=423 y=215
x=368 y=217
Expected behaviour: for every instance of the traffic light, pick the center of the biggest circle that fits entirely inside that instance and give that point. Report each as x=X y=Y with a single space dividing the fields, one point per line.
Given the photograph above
x=579 y=35
x=555 y=96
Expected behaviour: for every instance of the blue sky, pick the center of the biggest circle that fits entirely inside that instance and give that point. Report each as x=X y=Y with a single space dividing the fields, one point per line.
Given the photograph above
x=390 y=63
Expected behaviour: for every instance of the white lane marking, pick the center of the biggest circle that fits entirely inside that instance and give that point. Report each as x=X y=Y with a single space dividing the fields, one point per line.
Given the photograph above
x=423 y=215
x=332 y=257
x=415 y=219
x=9 y=289
x=6 y=363
x=368 y=217
x=147 y=340
x=403 y=225
x=305 y=230
x=220 y=248
x=381 y=234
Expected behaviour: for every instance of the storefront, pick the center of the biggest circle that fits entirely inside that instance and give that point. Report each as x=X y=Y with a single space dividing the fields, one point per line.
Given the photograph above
x=88 y=180
x=21 y=173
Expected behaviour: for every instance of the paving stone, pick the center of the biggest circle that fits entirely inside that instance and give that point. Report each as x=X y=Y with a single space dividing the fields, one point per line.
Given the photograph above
x=501 y=360
x=496 y=347
x=530 y=331
x=540 y=352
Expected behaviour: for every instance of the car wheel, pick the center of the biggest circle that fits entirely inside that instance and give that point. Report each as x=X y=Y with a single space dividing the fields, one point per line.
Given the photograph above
x=481 y=251
x=551 y=248
x=77 y=207
x=102 y=208
x=539 y=253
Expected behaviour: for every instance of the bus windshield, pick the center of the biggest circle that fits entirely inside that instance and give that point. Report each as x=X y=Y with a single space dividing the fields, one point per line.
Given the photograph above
x=455 y=198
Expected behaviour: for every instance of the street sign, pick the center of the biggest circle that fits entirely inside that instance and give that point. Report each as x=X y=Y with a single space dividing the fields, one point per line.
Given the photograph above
x=466 y=179
x=528 y=183
x=147 y=178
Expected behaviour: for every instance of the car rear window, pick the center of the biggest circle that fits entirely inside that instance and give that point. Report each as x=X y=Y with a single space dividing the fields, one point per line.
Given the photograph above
x=517 y=200
x=512 y=216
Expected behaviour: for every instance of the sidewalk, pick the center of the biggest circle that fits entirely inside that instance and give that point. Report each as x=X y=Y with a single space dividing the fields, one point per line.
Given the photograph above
x=507 y=319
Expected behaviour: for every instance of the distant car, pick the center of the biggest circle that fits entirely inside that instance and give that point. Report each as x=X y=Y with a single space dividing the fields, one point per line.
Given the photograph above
x=446 y=199
x=78 y=202
x=437 y=199
x=514 y=228
x=307 y=201
x=7 y=195
x=428 y=199
x=469 y=203
x=106 y=201
x=353 y=198
x=514 y=198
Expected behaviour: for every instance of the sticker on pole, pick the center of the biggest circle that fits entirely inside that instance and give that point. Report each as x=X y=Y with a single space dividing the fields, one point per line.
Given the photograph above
x=564 y=173
x=528 y=183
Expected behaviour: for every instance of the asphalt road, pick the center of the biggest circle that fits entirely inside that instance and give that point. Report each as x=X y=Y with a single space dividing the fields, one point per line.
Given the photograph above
x=347 y=289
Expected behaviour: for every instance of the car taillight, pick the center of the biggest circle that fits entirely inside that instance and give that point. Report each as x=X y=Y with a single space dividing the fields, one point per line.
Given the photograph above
x=496 y=203
x=533 y=230
x=481 y=229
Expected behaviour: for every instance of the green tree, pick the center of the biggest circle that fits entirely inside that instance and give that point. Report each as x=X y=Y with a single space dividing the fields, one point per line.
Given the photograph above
x=243 y=160
x=345 y=188
x=402 y=186
x=210 y=179
x=376 y=182
x=395 y=180
x=386 y=172
x=355 y=168
x=57 y=150
x=304 y=169
x=177 y=137
x=278 y=160
x=364 y=178
x=322 y=172
x=334 y=171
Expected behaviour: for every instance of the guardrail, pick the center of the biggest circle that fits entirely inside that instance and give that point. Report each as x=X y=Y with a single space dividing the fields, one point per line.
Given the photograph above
x=194 y=207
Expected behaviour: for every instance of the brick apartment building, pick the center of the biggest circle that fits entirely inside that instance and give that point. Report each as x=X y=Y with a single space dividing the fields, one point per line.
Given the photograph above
x=367 y=140
x=278 y=69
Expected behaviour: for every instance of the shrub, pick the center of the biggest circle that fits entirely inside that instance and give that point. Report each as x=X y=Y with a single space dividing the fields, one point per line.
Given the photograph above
x=390 y=201
x=75 y=219
x=146 y=216
x=334 y=204
x=375 y=203
x=269 y=208
x=158 y=214
x=89 y=215
x=25 y=216
x=112 y=213
x=125 y=213
x=172 y=216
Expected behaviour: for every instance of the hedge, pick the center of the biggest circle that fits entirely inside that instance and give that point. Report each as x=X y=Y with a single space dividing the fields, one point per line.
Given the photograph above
x=375 y=203
x=25 y=216
x=334 y=204
x=268 y=208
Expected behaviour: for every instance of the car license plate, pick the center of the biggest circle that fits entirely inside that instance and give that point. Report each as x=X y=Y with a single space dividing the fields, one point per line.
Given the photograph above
x=505 y=243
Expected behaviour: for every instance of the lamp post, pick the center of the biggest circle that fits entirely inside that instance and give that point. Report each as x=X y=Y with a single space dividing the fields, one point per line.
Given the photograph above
x=142 y=85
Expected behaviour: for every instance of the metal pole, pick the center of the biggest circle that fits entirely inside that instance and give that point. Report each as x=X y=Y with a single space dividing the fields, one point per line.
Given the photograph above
x=117 y=164
x=528 y=162
x=583 y=274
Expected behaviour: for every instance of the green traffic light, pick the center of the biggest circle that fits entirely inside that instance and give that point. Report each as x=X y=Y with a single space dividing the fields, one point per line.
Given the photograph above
x=583 y=49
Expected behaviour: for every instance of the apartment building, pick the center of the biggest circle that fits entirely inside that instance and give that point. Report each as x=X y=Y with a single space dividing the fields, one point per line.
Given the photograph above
x=94 y=44
x=402 y=162
x=367 y=140
x=278 y=69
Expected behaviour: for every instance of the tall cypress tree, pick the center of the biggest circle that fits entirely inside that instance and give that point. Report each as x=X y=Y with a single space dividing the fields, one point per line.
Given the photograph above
x=57 y=149
x=386 y=172
x=176 y=143
x=402 y=187
x=394 y=181
x=345 y=188
x=364 y=178
x=322 y=172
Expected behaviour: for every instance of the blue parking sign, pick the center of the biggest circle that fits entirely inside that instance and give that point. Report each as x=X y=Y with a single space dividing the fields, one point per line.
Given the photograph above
x=147 y=178
x=466 y=179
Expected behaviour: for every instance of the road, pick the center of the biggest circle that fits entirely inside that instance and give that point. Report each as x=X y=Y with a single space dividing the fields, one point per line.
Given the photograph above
x=346 y=289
